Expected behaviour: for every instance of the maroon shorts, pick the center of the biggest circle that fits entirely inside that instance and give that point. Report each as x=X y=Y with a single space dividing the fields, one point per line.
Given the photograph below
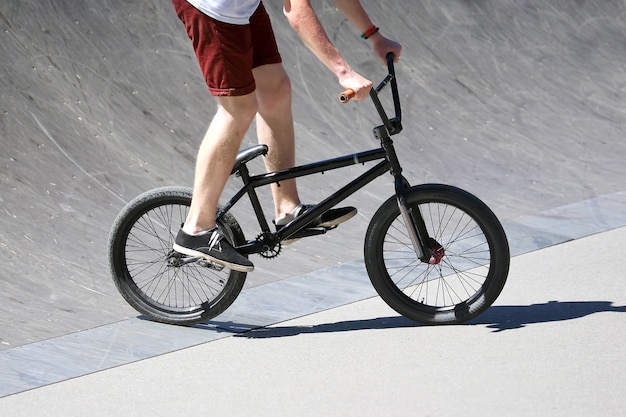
x=227 y=53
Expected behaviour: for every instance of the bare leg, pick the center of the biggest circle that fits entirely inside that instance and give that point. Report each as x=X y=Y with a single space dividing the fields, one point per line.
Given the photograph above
x=275 y=129
x=216 y=158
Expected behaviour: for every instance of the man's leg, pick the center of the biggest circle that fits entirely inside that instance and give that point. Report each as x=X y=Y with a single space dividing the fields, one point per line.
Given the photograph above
x=275 y=129
x=199 y=236
x=226 y=59
x=216 y=158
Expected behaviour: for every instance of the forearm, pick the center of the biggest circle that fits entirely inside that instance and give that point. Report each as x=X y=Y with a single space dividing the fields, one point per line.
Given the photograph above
x=355 y=13
x=305 y=23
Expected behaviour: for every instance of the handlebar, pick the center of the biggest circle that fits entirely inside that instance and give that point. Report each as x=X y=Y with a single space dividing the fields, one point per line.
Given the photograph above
x=393 y=125
x=346 y=96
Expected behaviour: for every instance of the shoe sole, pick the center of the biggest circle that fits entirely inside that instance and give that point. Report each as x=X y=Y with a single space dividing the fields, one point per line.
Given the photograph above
x=328 y=224
x=198 y=254
x=339 y=220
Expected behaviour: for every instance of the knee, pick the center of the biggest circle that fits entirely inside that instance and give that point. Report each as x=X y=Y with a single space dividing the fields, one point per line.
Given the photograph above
x=240 y=109
x=275 y=97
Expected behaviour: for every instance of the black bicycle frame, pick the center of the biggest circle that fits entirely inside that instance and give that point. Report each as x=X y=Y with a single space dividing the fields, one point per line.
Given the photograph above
x=251 y=183
x=388 y=163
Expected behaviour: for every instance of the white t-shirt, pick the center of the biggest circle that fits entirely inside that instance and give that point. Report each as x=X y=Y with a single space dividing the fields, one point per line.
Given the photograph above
x=237 y=12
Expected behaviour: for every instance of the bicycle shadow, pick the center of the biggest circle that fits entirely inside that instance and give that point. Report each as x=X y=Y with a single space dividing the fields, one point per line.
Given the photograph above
x=498 y=318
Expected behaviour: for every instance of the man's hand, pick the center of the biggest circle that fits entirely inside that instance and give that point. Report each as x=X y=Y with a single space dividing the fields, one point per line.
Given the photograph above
x=357 y=83
x=382 y=46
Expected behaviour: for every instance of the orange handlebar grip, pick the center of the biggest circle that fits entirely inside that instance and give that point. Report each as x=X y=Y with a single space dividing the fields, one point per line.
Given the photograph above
x=346 y=96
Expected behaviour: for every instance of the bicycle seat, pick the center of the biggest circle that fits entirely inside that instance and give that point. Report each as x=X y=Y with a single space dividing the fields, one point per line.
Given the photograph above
x=248 y=154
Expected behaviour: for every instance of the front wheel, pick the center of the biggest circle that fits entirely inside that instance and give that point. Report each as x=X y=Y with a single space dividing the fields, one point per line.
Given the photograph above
x=160 y=283
x=462 y=281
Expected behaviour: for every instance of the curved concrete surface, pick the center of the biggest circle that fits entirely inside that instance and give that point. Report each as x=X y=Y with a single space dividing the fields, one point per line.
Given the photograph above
x=521 y=103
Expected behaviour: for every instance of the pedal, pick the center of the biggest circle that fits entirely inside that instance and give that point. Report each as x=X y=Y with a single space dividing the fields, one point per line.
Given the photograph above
x=210 y=265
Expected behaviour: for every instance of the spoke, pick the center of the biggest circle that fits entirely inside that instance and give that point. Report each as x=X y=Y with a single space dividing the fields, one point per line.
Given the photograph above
x=147 y=247
x=463 y=269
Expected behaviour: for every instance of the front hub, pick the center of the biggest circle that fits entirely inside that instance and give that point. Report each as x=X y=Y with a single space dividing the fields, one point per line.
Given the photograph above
x=437 y=252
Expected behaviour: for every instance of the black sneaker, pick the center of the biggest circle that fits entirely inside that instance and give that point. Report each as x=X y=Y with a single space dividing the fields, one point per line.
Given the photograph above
x=212 y=245
x=331 y=218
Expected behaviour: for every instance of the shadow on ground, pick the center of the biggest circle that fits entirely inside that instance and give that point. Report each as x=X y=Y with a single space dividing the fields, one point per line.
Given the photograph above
x=498 y=318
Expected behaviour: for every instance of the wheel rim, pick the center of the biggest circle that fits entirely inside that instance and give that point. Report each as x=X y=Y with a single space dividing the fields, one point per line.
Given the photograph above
x=460 y=276
x=171 y=287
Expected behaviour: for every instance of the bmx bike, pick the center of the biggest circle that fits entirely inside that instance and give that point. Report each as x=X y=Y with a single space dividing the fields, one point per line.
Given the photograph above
x=434 y=253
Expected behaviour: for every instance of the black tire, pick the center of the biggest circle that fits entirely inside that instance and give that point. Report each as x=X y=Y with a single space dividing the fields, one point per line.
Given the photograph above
x=158 y=285
x=469 y=277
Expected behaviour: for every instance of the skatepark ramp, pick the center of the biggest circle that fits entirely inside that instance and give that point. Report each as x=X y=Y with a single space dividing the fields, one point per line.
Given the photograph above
x=521 y=102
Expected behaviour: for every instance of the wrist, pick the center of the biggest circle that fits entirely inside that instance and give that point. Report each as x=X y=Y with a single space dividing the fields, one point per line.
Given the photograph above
x=342 y=72
x=370 y=32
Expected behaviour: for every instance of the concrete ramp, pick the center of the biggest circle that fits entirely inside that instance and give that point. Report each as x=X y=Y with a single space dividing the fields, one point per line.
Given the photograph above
x=520 y=102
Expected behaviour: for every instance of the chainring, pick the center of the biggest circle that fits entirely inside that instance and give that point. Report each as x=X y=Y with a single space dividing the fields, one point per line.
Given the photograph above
x=271 y=245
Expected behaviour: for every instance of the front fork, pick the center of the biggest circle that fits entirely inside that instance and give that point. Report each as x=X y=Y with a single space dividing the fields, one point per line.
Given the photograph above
x=426 y=248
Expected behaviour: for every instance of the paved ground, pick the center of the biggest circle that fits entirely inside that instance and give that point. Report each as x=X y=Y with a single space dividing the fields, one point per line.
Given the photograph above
x=521 y=103
x=552 y=345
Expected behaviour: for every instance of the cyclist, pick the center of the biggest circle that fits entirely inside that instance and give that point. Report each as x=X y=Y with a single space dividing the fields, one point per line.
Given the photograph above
x=238 y=56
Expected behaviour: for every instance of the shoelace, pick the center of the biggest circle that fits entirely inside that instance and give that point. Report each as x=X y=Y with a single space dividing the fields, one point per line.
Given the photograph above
x=214 y=241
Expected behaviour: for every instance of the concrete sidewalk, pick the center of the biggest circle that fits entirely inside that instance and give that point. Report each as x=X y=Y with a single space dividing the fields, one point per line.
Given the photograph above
x=552 y=345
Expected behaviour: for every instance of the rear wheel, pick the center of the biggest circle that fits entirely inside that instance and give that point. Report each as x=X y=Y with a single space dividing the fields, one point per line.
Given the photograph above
x=160 y=283
x=470 y=263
